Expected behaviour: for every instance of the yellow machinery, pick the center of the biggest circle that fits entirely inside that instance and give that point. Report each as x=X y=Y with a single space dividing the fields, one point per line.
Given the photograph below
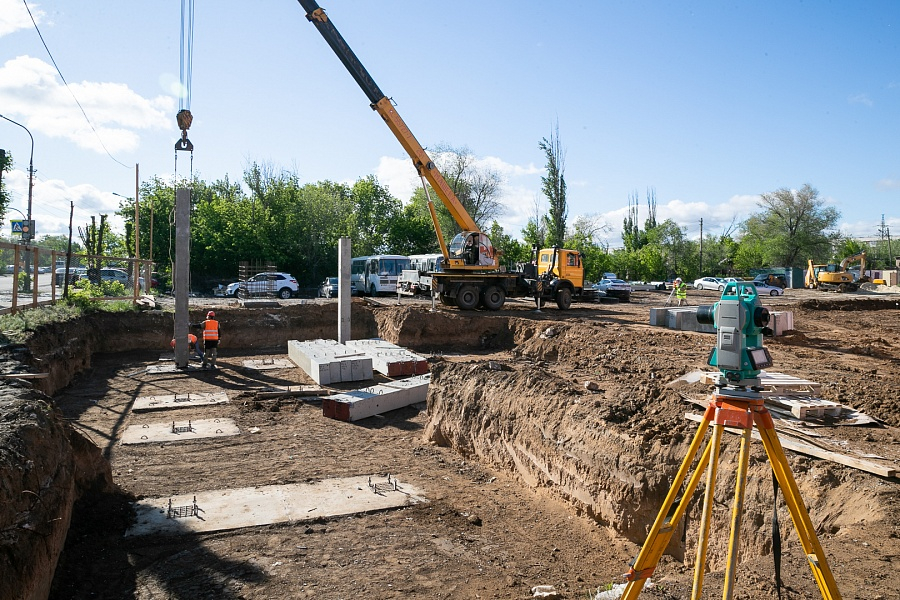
x=836 y=278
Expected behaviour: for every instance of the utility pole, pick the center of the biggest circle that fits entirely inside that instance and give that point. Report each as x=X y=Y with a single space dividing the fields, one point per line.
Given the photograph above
x=701 y=248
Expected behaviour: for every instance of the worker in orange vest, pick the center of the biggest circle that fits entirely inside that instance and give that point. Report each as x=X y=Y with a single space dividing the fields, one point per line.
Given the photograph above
x=193 y=346
x=212 y=333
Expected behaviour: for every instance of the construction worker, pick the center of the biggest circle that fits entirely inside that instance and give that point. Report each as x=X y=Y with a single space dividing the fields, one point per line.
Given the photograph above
x=193 y=346
x=212 y=333
x=680 y=291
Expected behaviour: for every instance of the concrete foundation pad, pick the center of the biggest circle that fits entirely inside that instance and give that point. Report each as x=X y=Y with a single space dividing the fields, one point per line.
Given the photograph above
x=267 y=364
x=248 y=507
x=184 y=431
x=148 y=403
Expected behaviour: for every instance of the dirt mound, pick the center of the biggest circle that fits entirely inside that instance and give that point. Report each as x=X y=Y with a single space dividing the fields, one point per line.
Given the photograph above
x=44 y=467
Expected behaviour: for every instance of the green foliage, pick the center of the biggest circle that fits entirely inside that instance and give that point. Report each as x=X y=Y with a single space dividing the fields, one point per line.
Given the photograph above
x=794 y=226
x=511 y=251
x=6 y=163
x=848 y=247
x=553 y=185
x=17 y=327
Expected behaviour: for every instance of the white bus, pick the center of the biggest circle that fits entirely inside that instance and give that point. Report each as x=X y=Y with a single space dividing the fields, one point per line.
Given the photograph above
x=372 y=275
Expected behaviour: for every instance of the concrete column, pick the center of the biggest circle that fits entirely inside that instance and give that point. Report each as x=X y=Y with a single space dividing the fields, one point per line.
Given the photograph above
x=181 y=274
x=344 y=296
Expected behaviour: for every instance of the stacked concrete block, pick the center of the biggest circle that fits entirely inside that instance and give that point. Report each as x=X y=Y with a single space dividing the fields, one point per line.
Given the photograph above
x=390 y=359
x=327 y=361
x=367 y=402
x=781 y=321
x=658 y=317
x=685 y=319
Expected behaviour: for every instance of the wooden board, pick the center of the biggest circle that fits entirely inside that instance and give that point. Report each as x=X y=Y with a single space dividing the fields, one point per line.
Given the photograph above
x=809 y=449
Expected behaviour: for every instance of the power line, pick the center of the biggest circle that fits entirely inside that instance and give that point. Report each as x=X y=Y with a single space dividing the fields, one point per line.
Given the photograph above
x=53 y=60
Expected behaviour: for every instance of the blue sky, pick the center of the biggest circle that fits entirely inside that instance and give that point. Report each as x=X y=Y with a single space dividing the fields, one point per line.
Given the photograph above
x=708 y=103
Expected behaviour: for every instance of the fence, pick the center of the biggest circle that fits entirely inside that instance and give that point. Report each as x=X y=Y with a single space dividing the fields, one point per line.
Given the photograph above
x=49 y=273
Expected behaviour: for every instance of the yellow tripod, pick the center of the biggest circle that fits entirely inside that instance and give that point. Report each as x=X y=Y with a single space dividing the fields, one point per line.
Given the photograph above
x=741 y=409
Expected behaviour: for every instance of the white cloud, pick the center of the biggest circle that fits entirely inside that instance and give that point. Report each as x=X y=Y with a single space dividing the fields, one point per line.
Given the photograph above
x=31 y=90
x=888 y=184
x=51 y=204
x=861 y=99
x=14 y=16
x=398 y=175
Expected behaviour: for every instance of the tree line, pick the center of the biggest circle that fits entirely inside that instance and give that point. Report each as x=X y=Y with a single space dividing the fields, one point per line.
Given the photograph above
x=275 y=219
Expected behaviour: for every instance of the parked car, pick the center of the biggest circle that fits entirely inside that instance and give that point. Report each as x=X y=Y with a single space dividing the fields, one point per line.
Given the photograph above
x=284 y=285
x=119 y=275
x=770 y=279
x=764 y=288
x=615 y=288
x=709 y=283
x=61 y=272
x=329 y=288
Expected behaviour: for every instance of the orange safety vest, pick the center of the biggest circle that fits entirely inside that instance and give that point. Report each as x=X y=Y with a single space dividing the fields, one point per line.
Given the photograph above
x=210 y=330
x=192 y=339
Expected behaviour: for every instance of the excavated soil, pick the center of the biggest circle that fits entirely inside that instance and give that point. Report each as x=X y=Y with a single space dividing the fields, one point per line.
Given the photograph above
x=532 y=476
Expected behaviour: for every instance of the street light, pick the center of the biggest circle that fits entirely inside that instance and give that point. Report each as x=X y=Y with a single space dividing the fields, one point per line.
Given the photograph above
x=30 y=170
x=30 y=189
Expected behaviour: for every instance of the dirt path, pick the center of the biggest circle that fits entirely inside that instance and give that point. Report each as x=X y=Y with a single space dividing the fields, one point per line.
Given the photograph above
x=571 y=515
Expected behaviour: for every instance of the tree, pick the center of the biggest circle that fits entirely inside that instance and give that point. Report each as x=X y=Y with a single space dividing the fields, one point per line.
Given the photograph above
x=373 y=217
x=411 y=232
x=476 y=187
x=795 y=225
x=6 y=163
x=510 y=250
x=554 y=187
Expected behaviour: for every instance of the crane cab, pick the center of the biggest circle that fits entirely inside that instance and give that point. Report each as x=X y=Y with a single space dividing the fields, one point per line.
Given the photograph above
x=471 y=249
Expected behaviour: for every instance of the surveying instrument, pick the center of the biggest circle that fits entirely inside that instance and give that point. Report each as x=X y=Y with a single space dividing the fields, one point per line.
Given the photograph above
x=740 y=321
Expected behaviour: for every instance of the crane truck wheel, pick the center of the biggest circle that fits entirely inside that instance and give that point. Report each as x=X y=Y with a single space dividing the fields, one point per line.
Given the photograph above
x=467 y=297
x=447 y=300
x=564 y=298
x=493 y=297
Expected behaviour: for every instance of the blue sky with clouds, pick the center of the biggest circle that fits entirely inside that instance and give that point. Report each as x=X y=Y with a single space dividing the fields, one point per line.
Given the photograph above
x=708 y=103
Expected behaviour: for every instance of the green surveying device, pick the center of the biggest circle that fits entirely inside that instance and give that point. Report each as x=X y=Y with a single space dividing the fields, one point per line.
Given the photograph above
x=741 y=322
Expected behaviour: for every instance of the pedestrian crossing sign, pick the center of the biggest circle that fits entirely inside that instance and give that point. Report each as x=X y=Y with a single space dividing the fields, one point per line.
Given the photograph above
x=16 y=225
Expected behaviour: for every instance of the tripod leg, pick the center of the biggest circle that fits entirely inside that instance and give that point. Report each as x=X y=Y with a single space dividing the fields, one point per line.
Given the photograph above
x=703 y=541
x=667 y=519
x=805 y=531
x=736 y=512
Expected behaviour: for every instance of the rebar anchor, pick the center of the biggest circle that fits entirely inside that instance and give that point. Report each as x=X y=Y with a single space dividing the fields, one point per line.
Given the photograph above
x=184 y=118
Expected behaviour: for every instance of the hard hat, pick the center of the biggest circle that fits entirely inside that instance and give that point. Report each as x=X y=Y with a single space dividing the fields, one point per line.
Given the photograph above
x=210 y=314
x=678 y=279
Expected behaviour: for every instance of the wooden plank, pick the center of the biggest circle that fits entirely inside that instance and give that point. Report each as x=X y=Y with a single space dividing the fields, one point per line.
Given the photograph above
x=810 y=450
x=25 y=375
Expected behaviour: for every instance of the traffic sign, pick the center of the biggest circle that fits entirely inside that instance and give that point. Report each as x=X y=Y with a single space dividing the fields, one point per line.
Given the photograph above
x=16 y=225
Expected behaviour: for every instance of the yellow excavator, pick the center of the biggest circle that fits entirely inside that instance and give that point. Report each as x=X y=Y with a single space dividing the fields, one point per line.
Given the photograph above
x=836 y=278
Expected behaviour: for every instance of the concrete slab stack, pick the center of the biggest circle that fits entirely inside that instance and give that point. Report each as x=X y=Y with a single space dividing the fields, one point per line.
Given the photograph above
x=390 y=359
x=327 y=361
x=781 y=321
x=367 y=402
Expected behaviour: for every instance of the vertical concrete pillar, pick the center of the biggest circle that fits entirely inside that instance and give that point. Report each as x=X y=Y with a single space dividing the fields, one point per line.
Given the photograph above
x=344 y=290
x=181 y=274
